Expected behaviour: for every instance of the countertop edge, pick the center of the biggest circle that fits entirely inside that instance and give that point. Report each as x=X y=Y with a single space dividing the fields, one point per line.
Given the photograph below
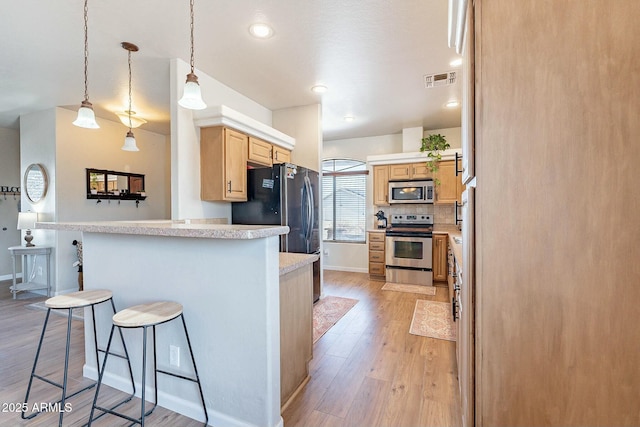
x=206 y=231
x=292 y=261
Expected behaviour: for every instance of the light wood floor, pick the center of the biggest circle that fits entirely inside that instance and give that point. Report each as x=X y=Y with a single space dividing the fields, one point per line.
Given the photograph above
x=367 y=370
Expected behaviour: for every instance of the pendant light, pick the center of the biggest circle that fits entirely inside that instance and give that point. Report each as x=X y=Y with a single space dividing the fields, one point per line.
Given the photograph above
x=130 y=140
x=86 y=117
x=192 y=97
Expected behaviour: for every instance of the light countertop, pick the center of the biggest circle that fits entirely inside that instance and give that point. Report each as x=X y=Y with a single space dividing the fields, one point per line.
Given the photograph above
x=170 y=228
x=290 y=261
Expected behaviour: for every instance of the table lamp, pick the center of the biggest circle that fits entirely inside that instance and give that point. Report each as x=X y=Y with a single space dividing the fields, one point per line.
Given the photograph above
x=27 y=221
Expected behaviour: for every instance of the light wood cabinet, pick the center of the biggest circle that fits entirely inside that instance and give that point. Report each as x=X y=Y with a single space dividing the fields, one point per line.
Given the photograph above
x=223 y=164
x=420 y=171
x=265 y=154
x=296 y=330
x=451 y=187
x=381 y=185
x=409 y=171
x=440 y=257
x=260 y=152
x=281 y=155
x=376 y=255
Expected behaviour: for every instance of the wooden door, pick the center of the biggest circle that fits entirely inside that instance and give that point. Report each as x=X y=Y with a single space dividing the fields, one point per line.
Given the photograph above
x=557 y=96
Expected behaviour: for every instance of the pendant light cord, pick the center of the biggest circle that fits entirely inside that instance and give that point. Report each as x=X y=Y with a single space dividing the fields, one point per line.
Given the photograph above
x=129 y=60
x=86 y=49
x=191 y=9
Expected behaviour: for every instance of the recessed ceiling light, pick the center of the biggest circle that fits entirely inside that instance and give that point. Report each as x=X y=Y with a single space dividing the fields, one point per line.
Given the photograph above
x=452 y=104
x=456 y=62
x=349 y=118
x=319 y=89
x=261 y=31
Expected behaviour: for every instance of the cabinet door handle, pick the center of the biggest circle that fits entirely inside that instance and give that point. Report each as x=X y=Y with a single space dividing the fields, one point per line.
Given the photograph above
x=229 y=187
x=458 y=171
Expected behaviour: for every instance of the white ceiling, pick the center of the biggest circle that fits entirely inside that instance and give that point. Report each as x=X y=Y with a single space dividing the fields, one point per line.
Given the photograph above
x=371 y=54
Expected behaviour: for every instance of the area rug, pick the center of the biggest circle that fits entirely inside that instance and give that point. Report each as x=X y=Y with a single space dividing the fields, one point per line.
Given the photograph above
x=433 y=319
x=78 y=314
x=327 y=312
x=415 y=289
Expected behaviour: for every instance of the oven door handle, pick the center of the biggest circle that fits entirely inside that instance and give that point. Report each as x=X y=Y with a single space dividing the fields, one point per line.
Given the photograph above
x=409 y=234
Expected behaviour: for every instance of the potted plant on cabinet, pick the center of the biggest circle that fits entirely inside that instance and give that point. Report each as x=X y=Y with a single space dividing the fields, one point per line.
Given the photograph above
x=433 y=145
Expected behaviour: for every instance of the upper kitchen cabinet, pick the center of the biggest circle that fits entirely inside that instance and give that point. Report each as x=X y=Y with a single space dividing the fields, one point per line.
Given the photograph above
x=451 y=187
x=381 y=185
x=260 y=152
x=265 y=154
x=409 y=171
x=281 y=155
x=223 y=164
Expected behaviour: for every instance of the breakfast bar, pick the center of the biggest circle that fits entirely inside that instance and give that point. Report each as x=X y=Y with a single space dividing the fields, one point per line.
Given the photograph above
x=227 y=279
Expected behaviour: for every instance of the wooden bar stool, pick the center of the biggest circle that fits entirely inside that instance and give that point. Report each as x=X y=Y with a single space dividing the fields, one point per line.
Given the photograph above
x=69 y=302
x=145 y=316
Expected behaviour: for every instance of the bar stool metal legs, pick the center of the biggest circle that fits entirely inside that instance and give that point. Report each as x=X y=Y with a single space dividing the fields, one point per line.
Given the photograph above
x=147 y=316
x=69 y=302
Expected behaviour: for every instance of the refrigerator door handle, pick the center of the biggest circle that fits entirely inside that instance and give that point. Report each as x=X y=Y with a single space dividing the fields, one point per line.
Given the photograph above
x=309 y=214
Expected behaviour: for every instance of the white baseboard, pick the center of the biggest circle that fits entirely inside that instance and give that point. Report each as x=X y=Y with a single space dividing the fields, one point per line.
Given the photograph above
x=342 y=268
x=173 y=403
x=10 y=276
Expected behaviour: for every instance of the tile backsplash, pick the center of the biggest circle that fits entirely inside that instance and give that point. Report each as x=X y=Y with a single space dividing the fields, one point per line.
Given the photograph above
x=442 y=214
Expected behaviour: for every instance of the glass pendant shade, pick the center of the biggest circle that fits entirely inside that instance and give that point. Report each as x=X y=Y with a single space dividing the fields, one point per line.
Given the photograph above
x=130 y=120
x=86 y=117
x=130 y=143
x=192 y=97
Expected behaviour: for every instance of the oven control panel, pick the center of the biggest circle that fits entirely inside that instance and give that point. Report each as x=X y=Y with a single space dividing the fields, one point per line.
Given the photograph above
x=417 y=219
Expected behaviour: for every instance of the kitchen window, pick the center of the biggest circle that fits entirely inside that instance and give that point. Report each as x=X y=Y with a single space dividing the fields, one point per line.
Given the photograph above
x=344 y=190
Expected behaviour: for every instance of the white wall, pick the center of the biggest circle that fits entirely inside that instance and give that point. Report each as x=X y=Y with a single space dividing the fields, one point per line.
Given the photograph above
x=185 y=142
x=9 y=204
x=49 y=137
x=38 y=145
x=452 y=135
x=305 y=125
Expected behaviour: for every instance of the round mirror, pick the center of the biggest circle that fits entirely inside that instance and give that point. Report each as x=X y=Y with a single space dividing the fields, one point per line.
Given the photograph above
x=35 y=182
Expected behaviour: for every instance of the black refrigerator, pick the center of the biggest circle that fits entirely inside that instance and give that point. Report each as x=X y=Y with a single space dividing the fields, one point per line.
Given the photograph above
x=285 y=194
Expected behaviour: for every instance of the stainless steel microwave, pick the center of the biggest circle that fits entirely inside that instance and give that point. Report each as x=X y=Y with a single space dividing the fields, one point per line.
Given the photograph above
x=411 y=191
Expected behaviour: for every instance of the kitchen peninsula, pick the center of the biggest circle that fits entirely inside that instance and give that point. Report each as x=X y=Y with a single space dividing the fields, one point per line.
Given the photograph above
x=227 y=279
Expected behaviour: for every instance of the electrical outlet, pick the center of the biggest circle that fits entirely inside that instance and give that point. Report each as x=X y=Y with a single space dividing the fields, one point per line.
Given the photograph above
x=174 y=355
x=39 y=271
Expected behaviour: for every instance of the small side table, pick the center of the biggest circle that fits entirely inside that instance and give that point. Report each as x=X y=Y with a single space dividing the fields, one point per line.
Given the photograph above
x=25 y=253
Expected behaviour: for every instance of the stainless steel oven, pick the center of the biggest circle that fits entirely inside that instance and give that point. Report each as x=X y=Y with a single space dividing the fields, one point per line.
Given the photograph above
x=409 y=250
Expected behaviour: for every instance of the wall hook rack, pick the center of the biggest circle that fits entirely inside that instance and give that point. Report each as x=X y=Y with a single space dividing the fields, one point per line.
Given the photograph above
x=14 y=191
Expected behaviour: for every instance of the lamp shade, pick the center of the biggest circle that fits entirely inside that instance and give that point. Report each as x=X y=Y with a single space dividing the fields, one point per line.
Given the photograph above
x=135 y=120
x=86 y=117
x=27 y=220
x=192 y=97
x=130 y=143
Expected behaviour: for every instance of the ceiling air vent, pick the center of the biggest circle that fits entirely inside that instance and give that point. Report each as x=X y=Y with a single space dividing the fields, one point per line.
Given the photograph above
x=442 y=79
